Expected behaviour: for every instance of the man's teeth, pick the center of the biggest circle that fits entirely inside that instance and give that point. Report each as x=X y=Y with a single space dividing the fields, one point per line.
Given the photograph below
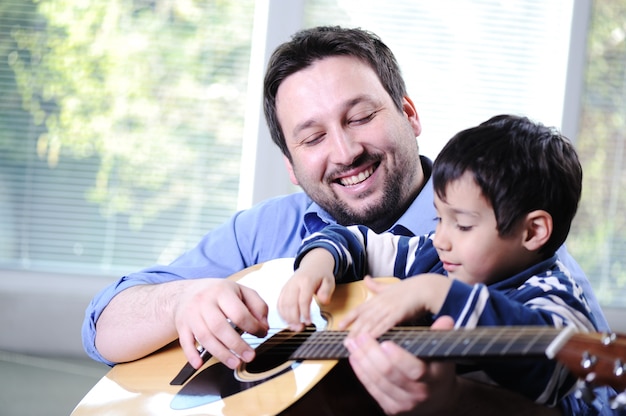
x=353 y=180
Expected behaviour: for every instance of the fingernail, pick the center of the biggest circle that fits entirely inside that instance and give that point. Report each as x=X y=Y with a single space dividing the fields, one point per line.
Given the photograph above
x=248 y=356
x=232 y=363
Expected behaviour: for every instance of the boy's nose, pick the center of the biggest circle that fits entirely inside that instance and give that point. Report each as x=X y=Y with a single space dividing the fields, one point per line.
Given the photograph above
x=440 y=241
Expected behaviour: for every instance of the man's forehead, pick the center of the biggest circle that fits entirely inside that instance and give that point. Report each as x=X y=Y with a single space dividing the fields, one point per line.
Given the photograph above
x=328 y=88
x=336 y=71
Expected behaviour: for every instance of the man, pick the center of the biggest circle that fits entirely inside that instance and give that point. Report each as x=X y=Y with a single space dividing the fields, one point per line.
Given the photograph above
x=337 y=107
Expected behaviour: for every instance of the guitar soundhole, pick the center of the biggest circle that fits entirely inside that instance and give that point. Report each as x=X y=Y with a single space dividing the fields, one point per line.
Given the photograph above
x=276 y=350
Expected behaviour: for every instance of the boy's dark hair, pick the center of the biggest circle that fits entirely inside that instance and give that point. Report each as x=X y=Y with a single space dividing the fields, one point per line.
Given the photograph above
x=520 y=166
x=311 y=45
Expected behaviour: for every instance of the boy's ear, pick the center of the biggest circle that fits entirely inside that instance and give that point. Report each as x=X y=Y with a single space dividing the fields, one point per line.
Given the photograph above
x=538 y=229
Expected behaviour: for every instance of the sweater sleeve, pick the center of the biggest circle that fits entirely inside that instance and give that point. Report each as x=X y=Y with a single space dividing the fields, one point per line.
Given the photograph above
x=358 y=251
x=552 y=304
x=345 y=244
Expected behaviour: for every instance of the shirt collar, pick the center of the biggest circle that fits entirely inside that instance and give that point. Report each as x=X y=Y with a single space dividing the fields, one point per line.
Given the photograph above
x=419 y=218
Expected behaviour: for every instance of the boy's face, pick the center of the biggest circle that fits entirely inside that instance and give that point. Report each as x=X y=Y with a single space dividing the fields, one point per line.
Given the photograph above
x=467 y=239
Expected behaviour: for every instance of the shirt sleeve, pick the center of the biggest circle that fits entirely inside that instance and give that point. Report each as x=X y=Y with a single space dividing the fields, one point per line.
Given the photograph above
x=270 y=230
x=573 y=406
x=345 y=244
x=541 y=300
x=196 y=263
x=357 y=251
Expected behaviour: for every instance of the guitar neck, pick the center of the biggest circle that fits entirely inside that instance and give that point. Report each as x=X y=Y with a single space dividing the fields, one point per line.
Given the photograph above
x=482 y=342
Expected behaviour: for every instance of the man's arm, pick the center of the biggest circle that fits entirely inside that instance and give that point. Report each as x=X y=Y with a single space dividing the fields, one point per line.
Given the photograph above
x=146 y=310
x=141 y=319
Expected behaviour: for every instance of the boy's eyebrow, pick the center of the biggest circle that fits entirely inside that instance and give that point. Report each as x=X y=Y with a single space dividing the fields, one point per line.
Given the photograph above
x=346 y=106
x=465 y=212
x=457 y=210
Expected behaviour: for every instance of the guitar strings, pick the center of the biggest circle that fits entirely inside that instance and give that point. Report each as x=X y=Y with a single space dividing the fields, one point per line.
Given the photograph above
x=284 y=341
x=327 y=335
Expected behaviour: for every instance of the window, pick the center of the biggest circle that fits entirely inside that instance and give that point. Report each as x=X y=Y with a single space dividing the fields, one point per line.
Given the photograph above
x=120 y=129
x=467 y=60
x=598 y=238
x=123 y=123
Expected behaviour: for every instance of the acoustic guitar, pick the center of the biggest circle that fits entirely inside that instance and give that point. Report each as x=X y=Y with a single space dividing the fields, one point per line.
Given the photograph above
x=304 y=373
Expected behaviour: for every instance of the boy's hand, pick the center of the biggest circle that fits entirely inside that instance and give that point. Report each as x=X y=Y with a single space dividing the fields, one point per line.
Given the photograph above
x=392 y=304
x=314 y=276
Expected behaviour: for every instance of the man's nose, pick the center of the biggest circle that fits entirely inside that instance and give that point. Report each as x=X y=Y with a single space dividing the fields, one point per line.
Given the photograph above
x=345 y=149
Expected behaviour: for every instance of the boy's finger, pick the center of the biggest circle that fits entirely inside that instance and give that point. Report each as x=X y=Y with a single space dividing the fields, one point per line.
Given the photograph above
x=347 y=320
x=373 y=285
x=304 y=306
x=325 y=292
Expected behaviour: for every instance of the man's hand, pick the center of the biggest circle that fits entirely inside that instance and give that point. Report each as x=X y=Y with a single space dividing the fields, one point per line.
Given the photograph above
x=204 y=313
x=144 y=318
x=400 y=382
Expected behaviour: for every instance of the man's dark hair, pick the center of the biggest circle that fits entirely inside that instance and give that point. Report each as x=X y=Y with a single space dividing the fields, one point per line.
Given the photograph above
x=520 y=166
x=311 y=45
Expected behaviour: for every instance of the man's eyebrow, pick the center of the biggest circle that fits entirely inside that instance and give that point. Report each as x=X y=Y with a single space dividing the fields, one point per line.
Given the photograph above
x=303 y=126
x=346 y=106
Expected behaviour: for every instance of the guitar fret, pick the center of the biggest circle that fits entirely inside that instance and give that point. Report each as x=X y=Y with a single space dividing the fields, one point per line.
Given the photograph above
x=539 y=336
x=336 y=349
x=463 y=344
x=408 y=338
x=510 y=344
x=520 y=343
x=491 y=342
x=437 y=341
x=419 y=342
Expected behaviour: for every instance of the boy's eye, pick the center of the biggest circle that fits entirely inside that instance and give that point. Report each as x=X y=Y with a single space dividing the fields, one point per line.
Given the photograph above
x=464 y=227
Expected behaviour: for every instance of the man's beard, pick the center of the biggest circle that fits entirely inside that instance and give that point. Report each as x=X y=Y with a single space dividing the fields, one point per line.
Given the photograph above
x=379 y=217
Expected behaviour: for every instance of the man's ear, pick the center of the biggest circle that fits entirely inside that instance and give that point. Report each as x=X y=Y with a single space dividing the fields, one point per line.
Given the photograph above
x=289 y=166
x=538 y=229
x=411 y=113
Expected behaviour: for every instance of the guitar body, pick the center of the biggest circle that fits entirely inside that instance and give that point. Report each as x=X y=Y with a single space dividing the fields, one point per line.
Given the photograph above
x=143 y=387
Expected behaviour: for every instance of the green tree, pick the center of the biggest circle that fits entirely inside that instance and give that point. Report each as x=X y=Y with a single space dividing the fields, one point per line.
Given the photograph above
x=598 y=239
x=143 y=86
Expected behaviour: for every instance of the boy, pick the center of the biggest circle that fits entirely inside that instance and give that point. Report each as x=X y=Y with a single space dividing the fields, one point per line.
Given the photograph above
x=506 y=192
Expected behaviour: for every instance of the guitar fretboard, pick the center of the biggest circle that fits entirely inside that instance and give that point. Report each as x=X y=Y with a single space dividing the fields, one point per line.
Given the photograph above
x=482 y=342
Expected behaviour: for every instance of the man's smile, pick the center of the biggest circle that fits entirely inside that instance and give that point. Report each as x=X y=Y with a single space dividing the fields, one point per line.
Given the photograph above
x=357 y=178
